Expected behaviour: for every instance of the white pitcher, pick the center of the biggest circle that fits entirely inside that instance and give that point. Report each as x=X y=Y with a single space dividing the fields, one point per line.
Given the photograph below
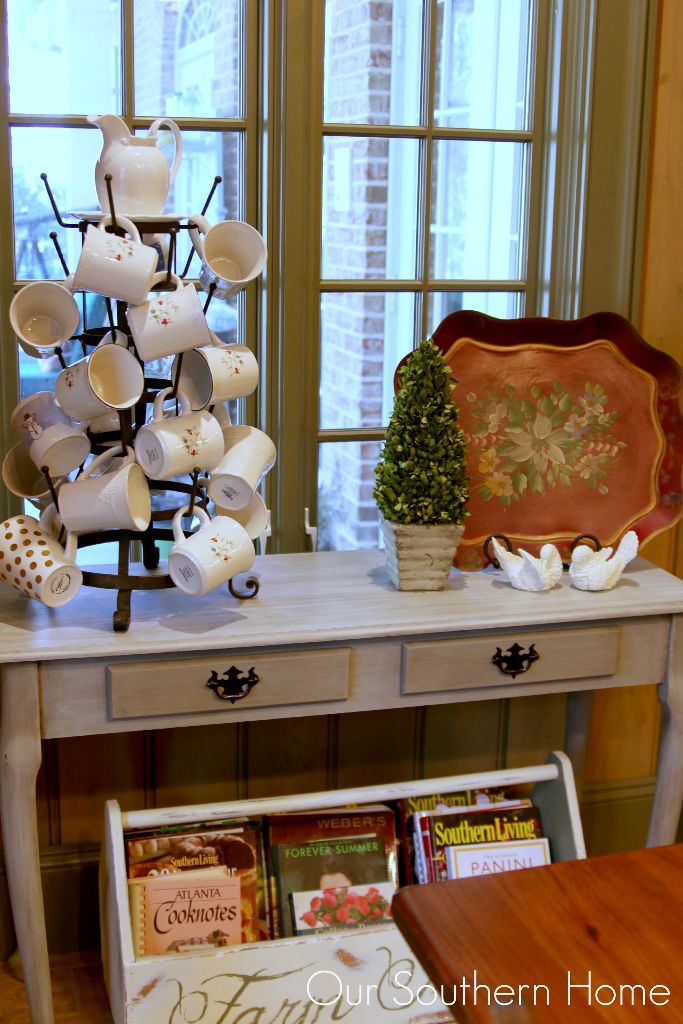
x=140 y=175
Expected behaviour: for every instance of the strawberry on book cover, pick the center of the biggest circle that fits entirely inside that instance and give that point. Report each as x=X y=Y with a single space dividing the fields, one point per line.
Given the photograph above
x=235 y=844
x=354 y=860
x=341 y=908
x=331 y=823
x=505 y=822
x=173 y=913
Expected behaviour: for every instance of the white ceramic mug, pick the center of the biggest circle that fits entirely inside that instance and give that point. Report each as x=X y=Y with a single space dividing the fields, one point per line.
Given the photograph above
x=232 y=254
x=51 y=437
x=44 y=314
x=116 y=499
x=110 y=377
x=105 y=424
x=121 y=268
x=168 y=322
x=216 y=552
x=216 y=373
x=169 y=445
x=249 y=454
x=253 y=517
x=22 y=477
x=32 y=561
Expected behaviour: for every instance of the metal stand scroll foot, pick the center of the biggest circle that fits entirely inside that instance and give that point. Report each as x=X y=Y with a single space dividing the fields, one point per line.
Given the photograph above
x=121 y=617
x=251 y=585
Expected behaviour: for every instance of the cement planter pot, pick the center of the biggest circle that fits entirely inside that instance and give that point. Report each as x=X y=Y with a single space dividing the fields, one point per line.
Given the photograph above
x=420 y=557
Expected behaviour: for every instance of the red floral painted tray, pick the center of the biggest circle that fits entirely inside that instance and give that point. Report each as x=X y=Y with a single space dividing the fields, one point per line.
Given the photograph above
x=572 y=427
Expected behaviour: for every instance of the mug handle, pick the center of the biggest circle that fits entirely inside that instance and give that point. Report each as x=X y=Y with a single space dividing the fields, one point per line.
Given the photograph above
x=202 y=227
x=163 y=275
x=45 y=523
x=197 y=511
x=107 y=456
x=158 y=407
x=120 y=338
x=124 y=222
x=153 y=128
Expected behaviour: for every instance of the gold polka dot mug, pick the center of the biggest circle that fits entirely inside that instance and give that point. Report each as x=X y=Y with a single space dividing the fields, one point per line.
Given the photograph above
x=33 y=562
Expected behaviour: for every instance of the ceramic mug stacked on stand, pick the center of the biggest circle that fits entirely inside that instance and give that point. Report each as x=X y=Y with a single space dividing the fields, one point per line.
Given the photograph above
x=92 y=485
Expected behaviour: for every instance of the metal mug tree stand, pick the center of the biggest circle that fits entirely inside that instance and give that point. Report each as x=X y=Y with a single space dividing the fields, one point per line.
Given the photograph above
x=130 y=420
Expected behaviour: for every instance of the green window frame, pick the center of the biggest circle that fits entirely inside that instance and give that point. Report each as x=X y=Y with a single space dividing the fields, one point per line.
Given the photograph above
x=593 y=81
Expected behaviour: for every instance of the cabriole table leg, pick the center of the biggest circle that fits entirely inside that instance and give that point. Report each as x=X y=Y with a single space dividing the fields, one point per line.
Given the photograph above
x=20 y=757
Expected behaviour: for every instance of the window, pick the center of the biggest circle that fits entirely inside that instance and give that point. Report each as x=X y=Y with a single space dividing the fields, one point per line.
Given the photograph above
x=427 y=157
x=403 y=158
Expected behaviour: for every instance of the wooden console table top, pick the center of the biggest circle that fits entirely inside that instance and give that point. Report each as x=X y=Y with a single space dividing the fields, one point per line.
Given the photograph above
x=610 y=921
x=312 y=599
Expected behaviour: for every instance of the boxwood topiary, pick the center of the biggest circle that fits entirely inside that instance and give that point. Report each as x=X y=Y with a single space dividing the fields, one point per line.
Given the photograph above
x=421 y=475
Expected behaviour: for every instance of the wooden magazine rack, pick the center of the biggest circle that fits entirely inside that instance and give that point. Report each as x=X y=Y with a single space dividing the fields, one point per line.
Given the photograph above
x=267 y=976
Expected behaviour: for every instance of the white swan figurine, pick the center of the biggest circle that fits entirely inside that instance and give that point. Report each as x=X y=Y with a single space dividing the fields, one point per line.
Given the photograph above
x=595 y=570
x=525 y=572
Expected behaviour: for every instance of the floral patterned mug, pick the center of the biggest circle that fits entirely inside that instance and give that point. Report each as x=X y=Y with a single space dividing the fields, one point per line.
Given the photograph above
x=216 y=552
x=121 y=268
x=169 y=321
x=216 y=373
x=170 y=446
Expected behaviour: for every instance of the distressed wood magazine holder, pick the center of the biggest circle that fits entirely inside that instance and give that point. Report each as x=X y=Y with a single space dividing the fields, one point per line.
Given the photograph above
x=271 y=981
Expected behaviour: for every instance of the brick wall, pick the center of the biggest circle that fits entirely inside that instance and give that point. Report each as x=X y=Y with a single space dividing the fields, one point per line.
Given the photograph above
x=358 y=90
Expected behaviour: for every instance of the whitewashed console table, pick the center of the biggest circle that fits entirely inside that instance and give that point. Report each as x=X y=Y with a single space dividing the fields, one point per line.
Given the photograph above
x=326 y=634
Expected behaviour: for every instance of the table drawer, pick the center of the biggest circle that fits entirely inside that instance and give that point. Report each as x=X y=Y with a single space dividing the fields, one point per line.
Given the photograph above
x=219 y=682
x=466 y=662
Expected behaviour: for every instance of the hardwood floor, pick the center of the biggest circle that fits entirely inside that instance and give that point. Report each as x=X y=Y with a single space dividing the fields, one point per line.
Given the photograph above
x=78 y=991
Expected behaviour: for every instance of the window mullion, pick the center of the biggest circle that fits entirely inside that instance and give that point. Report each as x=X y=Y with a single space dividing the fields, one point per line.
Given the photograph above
x=9 y=361
x=128 y=60
x=426 y=160
x=293 y=287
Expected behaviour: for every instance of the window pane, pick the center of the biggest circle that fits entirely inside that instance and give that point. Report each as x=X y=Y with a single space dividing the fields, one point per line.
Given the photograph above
x=68 y=157
x=364 y=336
x=369 y=208
x=373 y=61
x=64 y=56
x=205 y=156
x=347 y=513
x=478 y=205
x=188 y=58
x=505 y=305
x=481 y=64
x=226 y=318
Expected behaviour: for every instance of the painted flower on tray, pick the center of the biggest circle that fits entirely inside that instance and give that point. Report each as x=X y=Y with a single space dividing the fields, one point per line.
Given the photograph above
x=488 y=460
x=539 y=438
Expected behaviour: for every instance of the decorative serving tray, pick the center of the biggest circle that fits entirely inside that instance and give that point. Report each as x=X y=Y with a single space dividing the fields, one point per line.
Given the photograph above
x=572 y=427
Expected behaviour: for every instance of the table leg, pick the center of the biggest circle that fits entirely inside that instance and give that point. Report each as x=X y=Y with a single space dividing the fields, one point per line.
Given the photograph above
x=20 y=757
x=666 y=807
x=576 y=732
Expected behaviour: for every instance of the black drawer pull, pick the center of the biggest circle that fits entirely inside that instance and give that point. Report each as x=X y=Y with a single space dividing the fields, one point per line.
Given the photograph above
x=233 y=686
x=515 y=662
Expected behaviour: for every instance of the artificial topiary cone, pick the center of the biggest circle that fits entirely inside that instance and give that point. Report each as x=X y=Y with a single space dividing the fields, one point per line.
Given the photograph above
x=421 y=478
